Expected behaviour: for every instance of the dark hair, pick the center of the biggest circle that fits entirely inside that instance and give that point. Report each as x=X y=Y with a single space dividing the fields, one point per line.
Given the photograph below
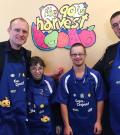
x=18 y=18
x=114 y=15
x=36 y=60
x=76 y=45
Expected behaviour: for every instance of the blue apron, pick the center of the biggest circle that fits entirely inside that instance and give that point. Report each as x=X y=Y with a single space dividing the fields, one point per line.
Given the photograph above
x=40 y=117
x=114 y=94
x=82 y=105
x=13 y=99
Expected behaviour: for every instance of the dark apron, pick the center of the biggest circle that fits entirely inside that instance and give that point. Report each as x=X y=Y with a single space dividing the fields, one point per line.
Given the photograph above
x=82 y=106
x=114 y=95
x=13 y=87
x=40 y=121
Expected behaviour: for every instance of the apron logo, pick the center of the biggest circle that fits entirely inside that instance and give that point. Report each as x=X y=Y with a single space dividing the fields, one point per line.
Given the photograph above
x=81 y=103
x=42 y=106
x=75 y=110
x=12 y=75
x=118 y=67
x=89 y=94
x=12 y=91
x=82 y=95
x=18 y=83
x=40 y=112
x=90 y=110
x=74 y=95
x=45 y=119
x=5 y=102
x=32 y=111
x=117 y=82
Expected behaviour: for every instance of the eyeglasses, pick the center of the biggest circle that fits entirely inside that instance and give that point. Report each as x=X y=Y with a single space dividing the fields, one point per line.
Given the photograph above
x=34 y=69
x=79 y=54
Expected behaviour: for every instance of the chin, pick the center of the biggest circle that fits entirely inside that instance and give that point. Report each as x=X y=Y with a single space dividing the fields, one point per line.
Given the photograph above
x=37 y=78
x=20 y=43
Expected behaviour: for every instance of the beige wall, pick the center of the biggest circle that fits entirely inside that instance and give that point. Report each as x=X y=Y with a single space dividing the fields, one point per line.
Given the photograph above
x=100 y=12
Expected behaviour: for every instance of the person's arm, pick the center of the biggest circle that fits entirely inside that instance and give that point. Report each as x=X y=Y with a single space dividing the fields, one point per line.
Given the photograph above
x=57 y=73
x=100 y=97
x=64 y=113
x=98 y=126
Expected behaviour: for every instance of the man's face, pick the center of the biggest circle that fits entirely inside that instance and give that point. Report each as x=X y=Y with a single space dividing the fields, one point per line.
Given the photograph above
x=18 y=33
x=37 y=71
x=115 y=23
x=78 y=56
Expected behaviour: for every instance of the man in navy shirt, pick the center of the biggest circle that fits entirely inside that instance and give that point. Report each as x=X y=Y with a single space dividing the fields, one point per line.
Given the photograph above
x=13 y=68
x=81 y=95
x=109 y=67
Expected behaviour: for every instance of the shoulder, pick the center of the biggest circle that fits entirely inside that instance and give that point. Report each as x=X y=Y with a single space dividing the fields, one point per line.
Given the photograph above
x=93 y=73
x=50 y=83
x=66 y=77
x=26 y=52
x=48 y=78
x=3 y=44
x=111 y=47
x=68 y=73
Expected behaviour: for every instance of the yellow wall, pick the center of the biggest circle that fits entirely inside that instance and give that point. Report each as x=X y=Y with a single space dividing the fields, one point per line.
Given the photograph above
x=99 y=11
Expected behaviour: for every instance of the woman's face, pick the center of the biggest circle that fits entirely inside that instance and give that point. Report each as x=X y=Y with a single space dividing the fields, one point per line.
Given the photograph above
x=37 y=71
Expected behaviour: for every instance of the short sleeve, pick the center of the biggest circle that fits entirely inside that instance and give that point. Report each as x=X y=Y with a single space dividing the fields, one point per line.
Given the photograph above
x=100 y=89
x=62 y=94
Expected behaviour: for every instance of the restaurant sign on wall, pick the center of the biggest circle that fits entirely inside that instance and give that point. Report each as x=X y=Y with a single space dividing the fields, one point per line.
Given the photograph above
x=61 y=28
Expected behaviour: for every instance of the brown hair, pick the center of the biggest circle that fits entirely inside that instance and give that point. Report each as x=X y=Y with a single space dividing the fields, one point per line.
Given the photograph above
x=114 y=15
x=18 y=18
x=76 y=45
x=36 y=60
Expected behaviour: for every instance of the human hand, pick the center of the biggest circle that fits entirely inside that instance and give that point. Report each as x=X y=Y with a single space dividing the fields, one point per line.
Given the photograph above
x=68 y=130
x=58 y=72
x=97 y=128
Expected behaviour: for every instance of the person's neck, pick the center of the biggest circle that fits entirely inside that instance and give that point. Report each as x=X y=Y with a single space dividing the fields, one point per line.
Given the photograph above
x=79 y=70
x=15 y=46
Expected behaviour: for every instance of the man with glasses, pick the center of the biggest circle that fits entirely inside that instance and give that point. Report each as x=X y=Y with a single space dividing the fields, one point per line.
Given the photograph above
x=81 y=96
x=109 y=67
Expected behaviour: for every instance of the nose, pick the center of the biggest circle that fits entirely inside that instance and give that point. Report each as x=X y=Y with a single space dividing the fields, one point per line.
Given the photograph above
x=119 y=25
x=37 y=70
x=21 y=33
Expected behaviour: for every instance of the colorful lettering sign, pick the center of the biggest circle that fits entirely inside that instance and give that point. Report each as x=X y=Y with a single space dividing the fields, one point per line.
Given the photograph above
x=61 y=28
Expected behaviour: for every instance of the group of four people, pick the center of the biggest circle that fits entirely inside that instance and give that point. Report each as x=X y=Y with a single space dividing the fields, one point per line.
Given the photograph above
x=27 y=96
